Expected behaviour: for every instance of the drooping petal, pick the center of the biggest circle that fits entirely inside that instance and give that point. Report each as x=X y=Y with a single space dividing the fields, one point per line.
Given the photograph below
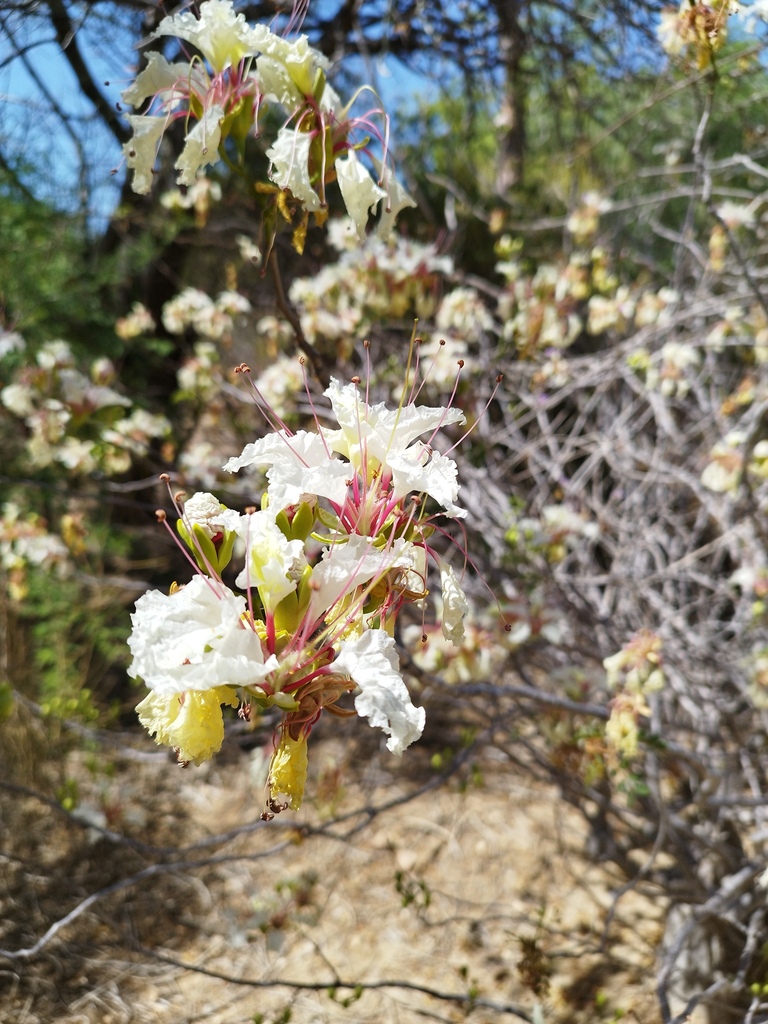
x=289 y=158
x=141 y=151
x=397 y=200
x=157 y=77
x=201 y=147
x=360 y=192
x=191 y=722
x=371 y=661
x=455 y=604
x=288 y=770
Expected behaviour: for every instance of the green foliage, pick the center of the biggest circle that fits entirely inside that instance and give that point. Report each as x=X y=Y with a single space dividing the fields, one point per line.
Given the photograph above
x=77 y=634
x=47 y=281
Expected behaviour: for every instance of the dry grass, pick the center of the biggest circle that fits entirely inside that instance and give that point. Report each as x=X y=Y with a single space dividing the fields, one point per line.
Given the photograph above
x=478 y=888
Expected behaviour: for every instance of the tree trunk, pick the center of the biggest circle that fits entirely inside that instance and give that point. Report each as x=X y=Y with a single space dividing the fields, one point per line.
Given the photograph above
x=511 y=119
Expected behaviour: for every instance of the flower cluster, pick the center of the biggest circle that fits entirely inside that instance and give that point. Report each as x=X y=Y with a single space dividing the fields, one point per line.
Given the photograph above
x=695 y=31
x=80 y=422
x=24 y=541
x=376 y=281
x=192 y=308
x=634 y=672
x=222 y=95
x=668 y=370
x=341 y=542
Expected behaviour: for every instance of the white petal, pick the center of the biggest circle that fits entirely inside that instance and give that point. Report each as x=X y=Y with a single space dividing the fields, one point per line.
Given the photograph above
x=289 y=157
x=386 y=432
x=272 y=562
x=201 y=147
x=141 y=151
x=346 y=566
x=371 y=661
x=397 y=200
x=157 y=76
x=299 y=464
x=195 y=639
x=455 y=604
x=361 y=194
x=436 y=477
x=275 y=83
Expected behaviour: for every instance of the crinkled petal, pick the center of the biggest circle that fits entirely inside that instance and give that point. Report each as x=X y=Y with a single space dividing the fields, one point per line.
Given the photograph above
x=276 y=84
x=195 y=639
x=201 y=147
x=427 y=472
x=288 y=770
x=289 y=157
x=222 y=36
x=397 y=200
x=141 y=151
x=360 y=192
x=157 y=77
x=191 y=722
x=386 y=432
x=455 y=604
x=299 y=464
x=346 y=566
x=371 y=661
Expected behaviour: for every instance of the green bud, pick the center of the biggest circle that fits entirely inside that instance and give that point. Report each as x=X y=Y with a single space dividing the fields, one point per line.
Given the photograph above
x=303 y=521
x=287 y=613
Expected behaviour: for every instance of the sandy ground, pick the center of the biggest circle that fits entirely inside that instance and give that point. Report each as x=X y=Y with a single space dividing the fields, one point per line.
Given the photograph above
x=478 y=888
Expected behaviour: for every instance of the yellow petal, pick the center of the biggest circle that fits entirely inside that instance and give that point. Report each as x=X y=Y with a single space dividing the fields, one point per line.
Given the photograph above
x=288 y=770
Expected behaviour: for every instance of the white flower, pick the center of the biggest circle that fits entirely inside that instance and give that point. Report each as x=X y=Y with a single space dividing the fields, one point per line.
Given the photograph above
x=373 y=435
x=346 y=566
x=272 y=563
x=360 y=193
x=17 y=398
x=371 y=661
x=10 y=341
x=195 y=639
x=455 y=604
x=222 y=36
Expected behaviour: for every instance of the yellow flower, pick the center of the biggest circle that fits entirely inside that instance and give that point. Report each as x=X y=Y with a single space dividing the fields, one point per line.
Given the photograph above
x=288 y=770
x=191 y=722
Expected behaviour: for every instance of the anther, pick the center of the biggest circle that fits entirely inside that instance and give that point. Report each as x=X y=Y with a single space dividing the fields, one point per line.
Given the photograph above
x=366 y=344
x=441 y=343
x=461 y=364
x=355 y=380
x=423 y=638
x=160 y=515
x=179 y=496
x=165 y=477
x=250 y=509
x=500 y=378
x=507 y=627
